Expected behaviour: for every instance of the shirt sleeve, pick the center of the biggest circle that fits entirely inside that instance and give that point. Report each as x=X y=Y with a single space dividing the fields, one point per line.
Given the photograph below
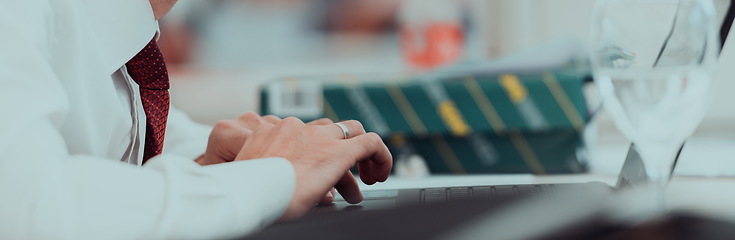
x=185 y=137
x=48 y=193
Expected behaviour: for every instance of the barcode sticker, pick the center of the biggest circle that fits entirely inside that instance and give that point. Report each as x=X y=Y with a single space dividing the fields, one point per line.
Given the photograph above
x=293 y=97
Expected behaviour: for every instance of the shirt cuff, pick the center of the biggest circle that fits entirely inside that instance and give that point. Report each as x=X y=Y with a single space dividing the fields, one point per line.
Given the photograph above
x=185 y=137
x=223 y=200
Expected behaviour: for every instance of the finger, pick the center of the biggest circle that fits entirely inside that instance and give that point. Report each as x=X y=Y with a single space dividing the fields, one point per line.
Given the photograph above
x=348 y=188
x=231 y=135
x=354 y=128
x=227 y=126
x=328 y=198
x=365 y=169
x=288 y=126
x=323 y=121
x=374 y=150
x=234 y=143
x=290 y=121
x=232 y=128
x=251 y=120
x=271 y=119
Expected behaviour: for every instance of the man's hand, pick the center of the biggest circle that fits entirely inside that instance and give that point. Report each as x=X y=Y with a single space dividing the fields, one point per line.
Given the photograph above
x=228 y=136
x=320 y=157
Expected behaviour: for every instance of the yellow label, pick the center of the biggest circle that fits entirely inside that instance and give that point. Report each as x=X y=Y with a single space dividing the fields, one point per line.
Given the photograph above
x=398 y=139
x=527 y=153
x=406 y=110
x=486 y=107
x=514 y=88
x=562 y=98
x=448 y=155
x=451 y=116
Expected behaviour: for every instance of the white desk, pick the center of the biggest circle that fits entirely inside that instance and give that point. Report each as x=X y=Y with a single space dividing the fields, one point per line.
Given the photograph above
x=710 y=196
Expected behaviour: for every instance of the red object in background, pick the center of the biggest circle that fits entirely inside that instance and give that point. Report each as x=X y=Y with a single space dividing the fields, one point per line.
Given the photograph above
x=431 y=46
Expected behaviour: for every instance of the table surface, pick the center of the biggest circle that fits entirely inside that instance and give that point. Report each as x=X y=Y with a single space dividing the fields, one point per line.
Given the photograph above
x=710 y=196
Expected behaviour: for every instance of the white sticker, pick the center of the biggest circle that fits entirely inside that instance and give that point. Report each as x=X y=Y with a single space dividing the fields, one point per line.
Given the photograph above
x=294 y=97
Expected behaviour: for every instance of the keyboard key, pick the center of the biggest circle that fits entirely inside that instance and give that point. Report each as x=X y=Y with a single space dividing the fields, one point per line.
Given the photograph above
x=459 y=193
x=526 y=189
x=569 y=188
x=482 y=192
x=507 y=190
x=546 y=188
x=435 y=195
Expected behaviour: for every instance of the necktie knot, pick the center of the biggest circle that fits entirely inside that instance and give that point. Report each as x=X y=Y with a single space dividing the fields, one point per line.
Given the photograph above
x=148 y=68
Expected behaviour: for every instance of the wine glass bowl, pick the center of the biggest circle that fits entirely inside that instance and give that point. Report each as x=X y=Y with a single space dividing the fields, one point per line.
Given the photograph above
x=653 y=62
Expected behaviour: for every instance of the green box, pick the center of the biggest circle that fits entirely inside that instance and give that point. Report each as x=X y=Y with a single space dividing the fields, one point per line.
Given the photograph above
x=499 y=123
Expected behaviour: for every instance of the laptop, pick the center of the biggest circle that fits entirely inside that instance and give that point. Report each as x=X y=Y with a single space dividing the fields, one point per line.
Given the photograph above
x=633 y=173
x=504 y=212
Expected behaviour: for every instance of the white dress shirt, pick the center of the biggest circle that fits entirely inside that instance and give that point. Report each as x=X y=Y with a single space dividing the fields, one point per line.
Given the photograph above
x=72 y=130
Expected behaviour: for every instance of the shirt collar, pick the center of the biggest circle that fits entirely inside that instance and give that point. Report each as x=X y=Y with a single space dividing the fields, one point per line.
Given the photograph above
x=122 y=28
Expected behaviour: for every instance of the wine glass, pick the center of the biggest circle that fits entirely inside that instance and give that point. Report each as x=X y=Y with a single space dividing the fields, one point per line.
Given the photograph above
x=653 y=62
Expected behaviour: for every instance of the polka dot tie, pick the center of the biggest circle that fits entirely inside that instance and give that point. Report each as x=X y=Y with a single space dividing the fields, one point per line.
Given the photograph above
x=149 y=70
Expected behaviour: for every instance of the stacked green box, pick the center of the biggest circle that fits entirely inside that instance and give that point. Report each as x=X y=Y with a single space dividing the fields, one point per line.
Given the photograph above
x=506 y=123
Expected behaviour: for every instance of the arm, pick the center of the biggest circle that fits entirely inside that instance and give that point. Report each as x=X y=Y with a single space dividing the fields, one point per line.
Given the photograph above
x=48 y=193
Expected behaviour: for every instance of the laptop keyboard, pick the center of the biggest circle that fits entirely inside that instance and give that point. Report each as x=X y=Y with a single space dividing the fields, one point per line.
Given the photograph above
x=437 y=195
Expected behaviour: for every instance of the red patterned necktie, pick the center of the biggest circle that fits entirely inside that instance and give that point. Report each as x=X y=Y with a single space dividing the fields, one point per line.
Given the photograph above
x=149 y=70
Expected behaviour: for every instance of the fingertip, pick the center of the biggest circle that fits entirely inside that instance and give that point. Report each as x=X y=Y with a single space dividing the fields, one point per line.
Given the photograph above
x=381 y=172
x=383 y=178
x=367 y=179
x=348 y=188
x=371 y=182
x=327 y=199
x=354 y=199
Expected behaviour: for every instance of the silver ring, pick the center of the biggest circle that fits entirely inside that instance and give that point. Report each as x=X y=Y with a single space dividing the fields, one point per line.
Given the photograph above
x=345 y=131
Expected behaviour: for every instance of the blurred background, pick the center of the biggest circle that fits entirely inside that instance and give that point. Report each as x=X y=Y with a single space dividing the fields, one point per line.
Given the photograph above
x=247 y=42
x=222 y=52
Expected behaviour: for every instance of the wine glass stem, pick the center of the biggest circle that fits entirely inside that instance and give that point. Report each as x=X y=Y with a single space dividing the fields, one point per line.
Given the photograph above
x=659 y=159
x=658 y=180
